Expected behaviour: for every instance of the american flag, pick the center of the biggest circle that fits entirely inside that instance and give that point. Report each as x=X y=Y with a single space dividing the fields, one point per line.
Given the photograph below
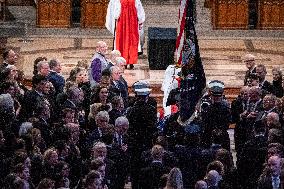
x=186 y=43
x=181 y=30
x=188 y=57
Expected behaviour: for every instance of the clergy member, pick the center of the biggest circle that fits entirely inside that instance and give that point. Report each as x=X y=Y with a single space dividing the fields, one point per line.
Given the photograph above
x=124 y=20
x=98 y=63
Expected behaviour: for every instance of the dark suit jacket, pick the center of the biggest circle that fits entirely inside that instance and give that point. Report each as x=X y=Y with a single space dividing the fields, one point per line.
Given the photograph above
x=169 y=158
x=45 y=130
x=121 y=161
x=248 y=72
x=150 y=176
x=57 y=81
x=253 y=154
x=267 y=88
x=30 y=101
x=113 y=115
x=119 y=89
x=266 y=182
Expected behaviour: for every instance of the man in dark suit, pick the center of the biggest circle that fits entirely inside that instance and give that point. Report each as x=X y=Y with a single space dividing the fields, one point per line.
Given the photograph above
x=54 y=76
x=248 y=116
x=169 y=158
x=42 y=112
x=253 y=154
x=9 y=57
x=189 y=156
x=265 y=85
x=119 y=151
x=117 y=109
x=150 y=176
x=34 y=97
x=238 y=106
x=273 y=177
x=268 y=104
x=213 y=178
x=249 y=60
x=74 y=99
x=118 y=87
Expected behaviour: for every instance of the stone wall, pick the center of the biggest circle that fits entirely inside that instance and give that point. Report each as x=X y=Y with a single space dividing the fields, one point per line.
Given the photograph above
x=20 y=2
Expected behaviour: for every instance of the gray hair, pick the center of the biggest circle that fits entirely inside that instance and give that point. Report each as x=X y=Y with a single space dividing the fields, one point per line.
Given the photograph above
x=6 y=103
x=99 y=145
x=120 y=60
x=25 y=128
x=122 y=120
x=39 y=65
x=102 y=114
x=113 y=68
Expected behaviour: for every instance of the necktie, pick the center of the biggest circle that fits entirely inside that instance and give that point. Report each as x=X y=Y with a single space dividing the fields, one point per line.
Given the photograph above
x=275 y=182
x=119 y=139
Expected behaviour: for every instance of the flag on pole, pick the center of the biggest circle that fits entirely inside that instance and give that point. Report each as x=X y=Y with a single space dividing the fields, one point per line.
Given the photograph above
x=188 y=58
x=181 y=30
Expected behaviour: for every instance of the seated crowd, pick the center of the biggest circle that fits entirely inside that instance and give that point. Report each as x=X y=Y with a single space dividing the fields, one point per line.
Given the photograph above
x=86 y=132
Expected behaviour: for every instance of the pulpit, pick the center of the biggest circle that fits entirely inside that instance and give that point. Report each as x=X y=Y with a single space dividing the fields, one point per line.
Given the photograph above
x=54 y=13
x=230 y=14
x=93 y=13
x=271 y=14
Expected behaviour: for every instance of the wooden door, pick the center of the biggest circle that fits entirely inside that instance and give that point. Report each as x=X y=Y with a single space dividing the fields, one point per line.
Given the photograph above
x=93 y=13
x=230 y=14
x=54 y=13
x=271 y=14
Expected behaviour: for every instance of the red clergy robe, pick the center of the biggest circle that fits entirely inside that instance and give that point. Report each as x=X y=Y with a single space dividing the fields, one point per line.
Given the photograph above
x=127 y=36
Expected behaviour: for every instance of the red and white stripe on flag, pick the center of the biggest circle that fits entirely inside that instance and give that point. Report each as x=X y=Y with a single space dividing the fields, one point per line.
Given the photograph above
x=181 y=30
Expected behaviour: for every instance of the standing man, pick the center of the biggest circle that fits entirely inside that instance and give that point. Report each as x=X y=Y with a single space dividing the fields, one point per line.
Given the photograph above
x=142 y=126
x=10 y=57
x=125 y=20
x=118 y=86
x=54 y=76
x=265 y=85
x=249 y=60
x=98 y=63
